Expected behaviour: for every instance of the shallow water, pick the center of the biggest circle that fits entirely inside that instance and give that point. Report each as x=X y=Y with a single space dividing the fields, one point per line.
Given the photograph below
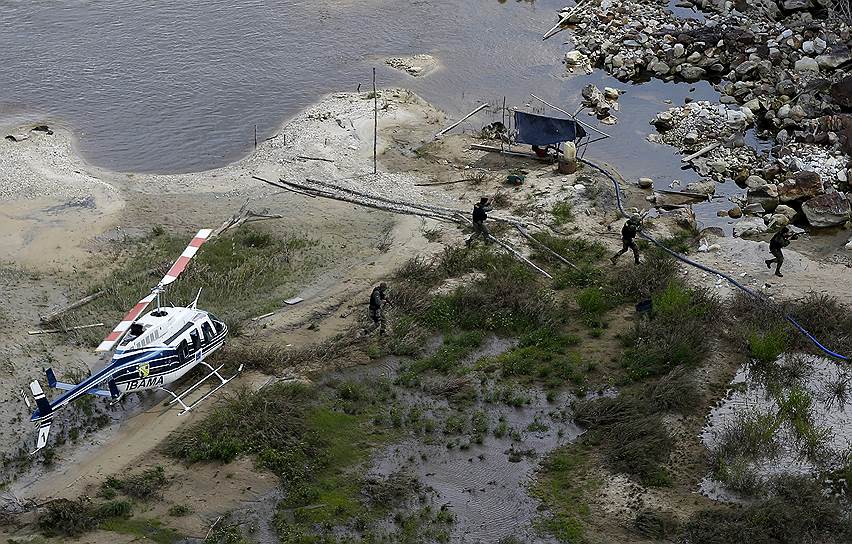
x=484 y=485
x=749 y=395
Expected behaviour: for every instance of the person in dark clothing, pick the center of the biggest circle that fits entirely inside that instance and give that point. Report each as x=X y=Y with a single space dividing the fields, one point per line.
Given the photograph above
x=480 y=214
x=779 y=239
x=378 y=299
x=628 y=233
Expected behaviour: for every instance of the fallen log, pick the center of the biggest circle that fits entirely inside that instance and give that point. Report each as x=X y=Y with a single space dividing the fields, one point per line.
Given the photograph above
x=47 y=318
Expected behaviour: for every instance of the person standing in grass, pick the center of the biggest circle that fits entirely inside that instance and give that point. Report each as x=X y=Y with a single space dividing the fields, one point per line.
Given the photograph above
x=480 y=214
x=628 y=233
x=378 y=300
x=779 y=239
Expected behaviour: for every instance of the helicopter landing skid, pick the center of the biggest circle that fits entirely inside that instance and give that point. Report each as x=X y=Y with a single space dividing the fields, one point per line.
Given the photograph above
x=213 y=372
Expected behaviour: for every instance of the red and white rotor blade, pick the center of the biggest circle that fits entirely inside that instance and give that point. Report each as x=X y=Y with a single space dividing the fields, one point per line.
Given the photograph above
x=125 y=323
x=173 y=273
x=183 y=260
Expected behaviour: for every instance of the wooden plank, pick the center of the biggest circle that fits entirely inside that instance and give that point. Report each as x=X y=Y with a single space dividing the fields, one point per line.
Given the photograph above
x=462 y=120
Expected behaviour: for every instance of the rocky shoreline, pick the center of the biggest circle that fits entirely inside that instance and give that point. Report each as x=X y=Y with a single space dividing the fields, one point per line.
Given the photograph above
x=781 y=70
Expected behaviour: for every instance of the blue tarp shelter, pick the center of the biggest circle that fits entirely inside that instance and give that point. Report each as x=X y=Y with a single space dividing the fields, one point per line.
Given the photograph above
x=540 y=130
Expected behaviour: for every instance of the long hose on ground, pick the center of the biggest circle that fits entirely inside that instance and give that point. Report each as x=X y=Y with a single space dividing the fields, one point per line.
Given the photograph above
x=731 y=280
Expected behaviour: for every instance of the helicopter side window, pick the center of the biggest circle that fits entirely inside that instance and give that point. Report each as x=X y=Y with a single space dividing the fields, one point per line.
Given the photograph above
x=217 y=323
x=183 y=351
x=207 y=330
x=196 y=340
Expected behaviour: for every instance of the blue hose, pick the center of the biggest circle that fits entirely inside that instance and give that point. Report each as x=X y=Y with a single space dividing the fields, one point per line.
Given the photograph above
x=700 y=266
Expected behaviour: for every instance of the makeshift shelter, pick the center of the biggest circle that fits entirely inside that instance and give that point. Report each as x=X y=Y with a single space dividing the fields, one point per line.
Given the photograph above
x=540 y=130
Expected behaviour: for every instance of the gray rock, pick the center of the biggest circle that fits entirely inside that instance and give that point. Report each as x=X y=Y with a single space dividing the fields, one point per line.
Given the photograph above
x=702 y=187
x=735 y=212
x=746 y=67
x=659 y=67
x=786 y=211
x=645 y=183
x=808 y=47
x=749 y=227
x=806 y=64
x=827 y=210
x=755 y=182
x=678 y=50
x=691 y=73
x=796 y=5
x=691 y=138
x=833 y=59
x=766 y=196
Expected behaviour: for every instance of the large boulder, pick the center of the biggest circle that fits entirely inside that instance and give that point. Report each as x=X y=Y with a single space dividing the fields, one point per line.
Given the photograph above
x=831 y=60
x=702 y=187
x=827 y=210
x=749 y=227
x=766 y=196
x=841 y=92
x=804 y=185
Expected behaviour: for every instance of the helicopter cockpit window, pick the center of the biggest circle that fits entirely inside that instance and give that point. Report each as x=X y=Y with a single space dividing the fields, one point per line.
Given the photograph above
x=196 y=340
x=217 y=323
x=208 y=332
x=136 y=330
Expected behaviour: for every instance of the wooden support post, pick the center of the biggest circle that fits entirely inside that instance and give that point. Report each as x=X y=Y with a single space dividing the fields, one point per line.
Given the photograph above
x=255 y=137
x=375 y=124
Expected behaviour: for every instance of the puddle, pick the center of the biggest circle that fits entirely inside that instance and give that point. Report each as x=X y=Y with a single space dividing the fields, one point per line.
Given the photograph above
x=483 y=484
x=748 y=395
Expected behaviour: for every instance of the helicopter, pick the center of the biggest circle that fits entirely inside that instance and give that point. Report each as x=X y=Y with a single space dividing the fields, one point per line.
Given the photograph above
x=151 y=352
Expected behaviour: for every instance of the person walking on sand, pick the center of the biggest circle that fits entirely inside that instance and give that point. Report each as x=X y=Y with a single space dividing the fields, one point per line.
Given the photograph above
x=779 y=239
x=480 y=214
x=378 y=299
x=628 y=233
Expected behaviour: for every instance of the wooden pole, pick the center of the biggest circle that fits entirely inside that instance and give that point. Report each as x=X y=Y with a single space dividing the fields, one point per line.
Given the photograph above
x=51 y=331
x=460 y=121
x=255 y=137
x=83 y=301
x=503 y=120
x=375 y=124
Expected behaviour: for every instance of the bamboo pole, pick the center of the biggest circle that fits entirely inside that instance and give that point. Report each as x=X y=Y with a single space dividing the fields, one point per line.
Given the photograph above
x=564 y=19
x=462 y=120
x=375 y=124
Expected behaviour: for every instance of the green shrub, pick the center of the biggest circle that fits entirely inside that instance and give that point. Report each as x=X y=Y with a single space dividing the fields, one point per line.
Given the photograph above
x=563 y=212
x=766 y=347
x=143 y=486
x=593 y=305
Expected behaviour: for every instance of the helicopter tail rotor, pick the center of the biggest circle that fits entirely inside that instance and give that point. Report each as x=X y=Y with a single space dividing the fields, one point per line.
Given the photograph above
x=45 y=413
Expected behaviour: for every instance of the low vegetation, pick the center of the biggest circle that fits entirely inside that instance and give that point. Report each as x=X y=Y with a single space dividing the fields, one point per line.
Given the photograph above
x=243 y=273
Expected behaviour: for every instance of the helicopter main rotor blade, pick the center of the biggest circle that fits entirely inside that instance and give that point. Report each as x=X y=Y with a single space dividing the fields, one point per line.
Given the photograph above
x=183 y=260
x=173 y=274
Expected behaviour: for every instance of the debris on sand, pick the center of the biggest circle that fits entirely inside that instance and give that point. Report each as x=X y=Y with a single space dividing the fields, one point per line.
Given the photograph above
x=416 y=65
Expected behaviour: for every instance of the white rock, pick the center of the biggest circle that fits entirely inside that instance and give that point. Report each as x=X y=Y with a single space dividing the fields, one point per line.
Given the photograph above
x=808 y=47
x=679 y=50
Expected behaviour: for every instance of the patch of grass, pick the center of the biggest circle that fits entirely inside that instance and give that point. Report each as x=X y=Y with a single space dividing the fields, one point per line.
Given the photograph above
x=750 y=437
x=765 y=347
x=243 y=274
x=796 y=510
x=656 y=524
x=543 y=355
x=593 y=305
x=632 y=438
x=675 y=333
x=143 y=486
x=179 y=510
x=146 y=529
x=562 y=485
x=634 y=283
x=562 y=212
x=64 y=517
